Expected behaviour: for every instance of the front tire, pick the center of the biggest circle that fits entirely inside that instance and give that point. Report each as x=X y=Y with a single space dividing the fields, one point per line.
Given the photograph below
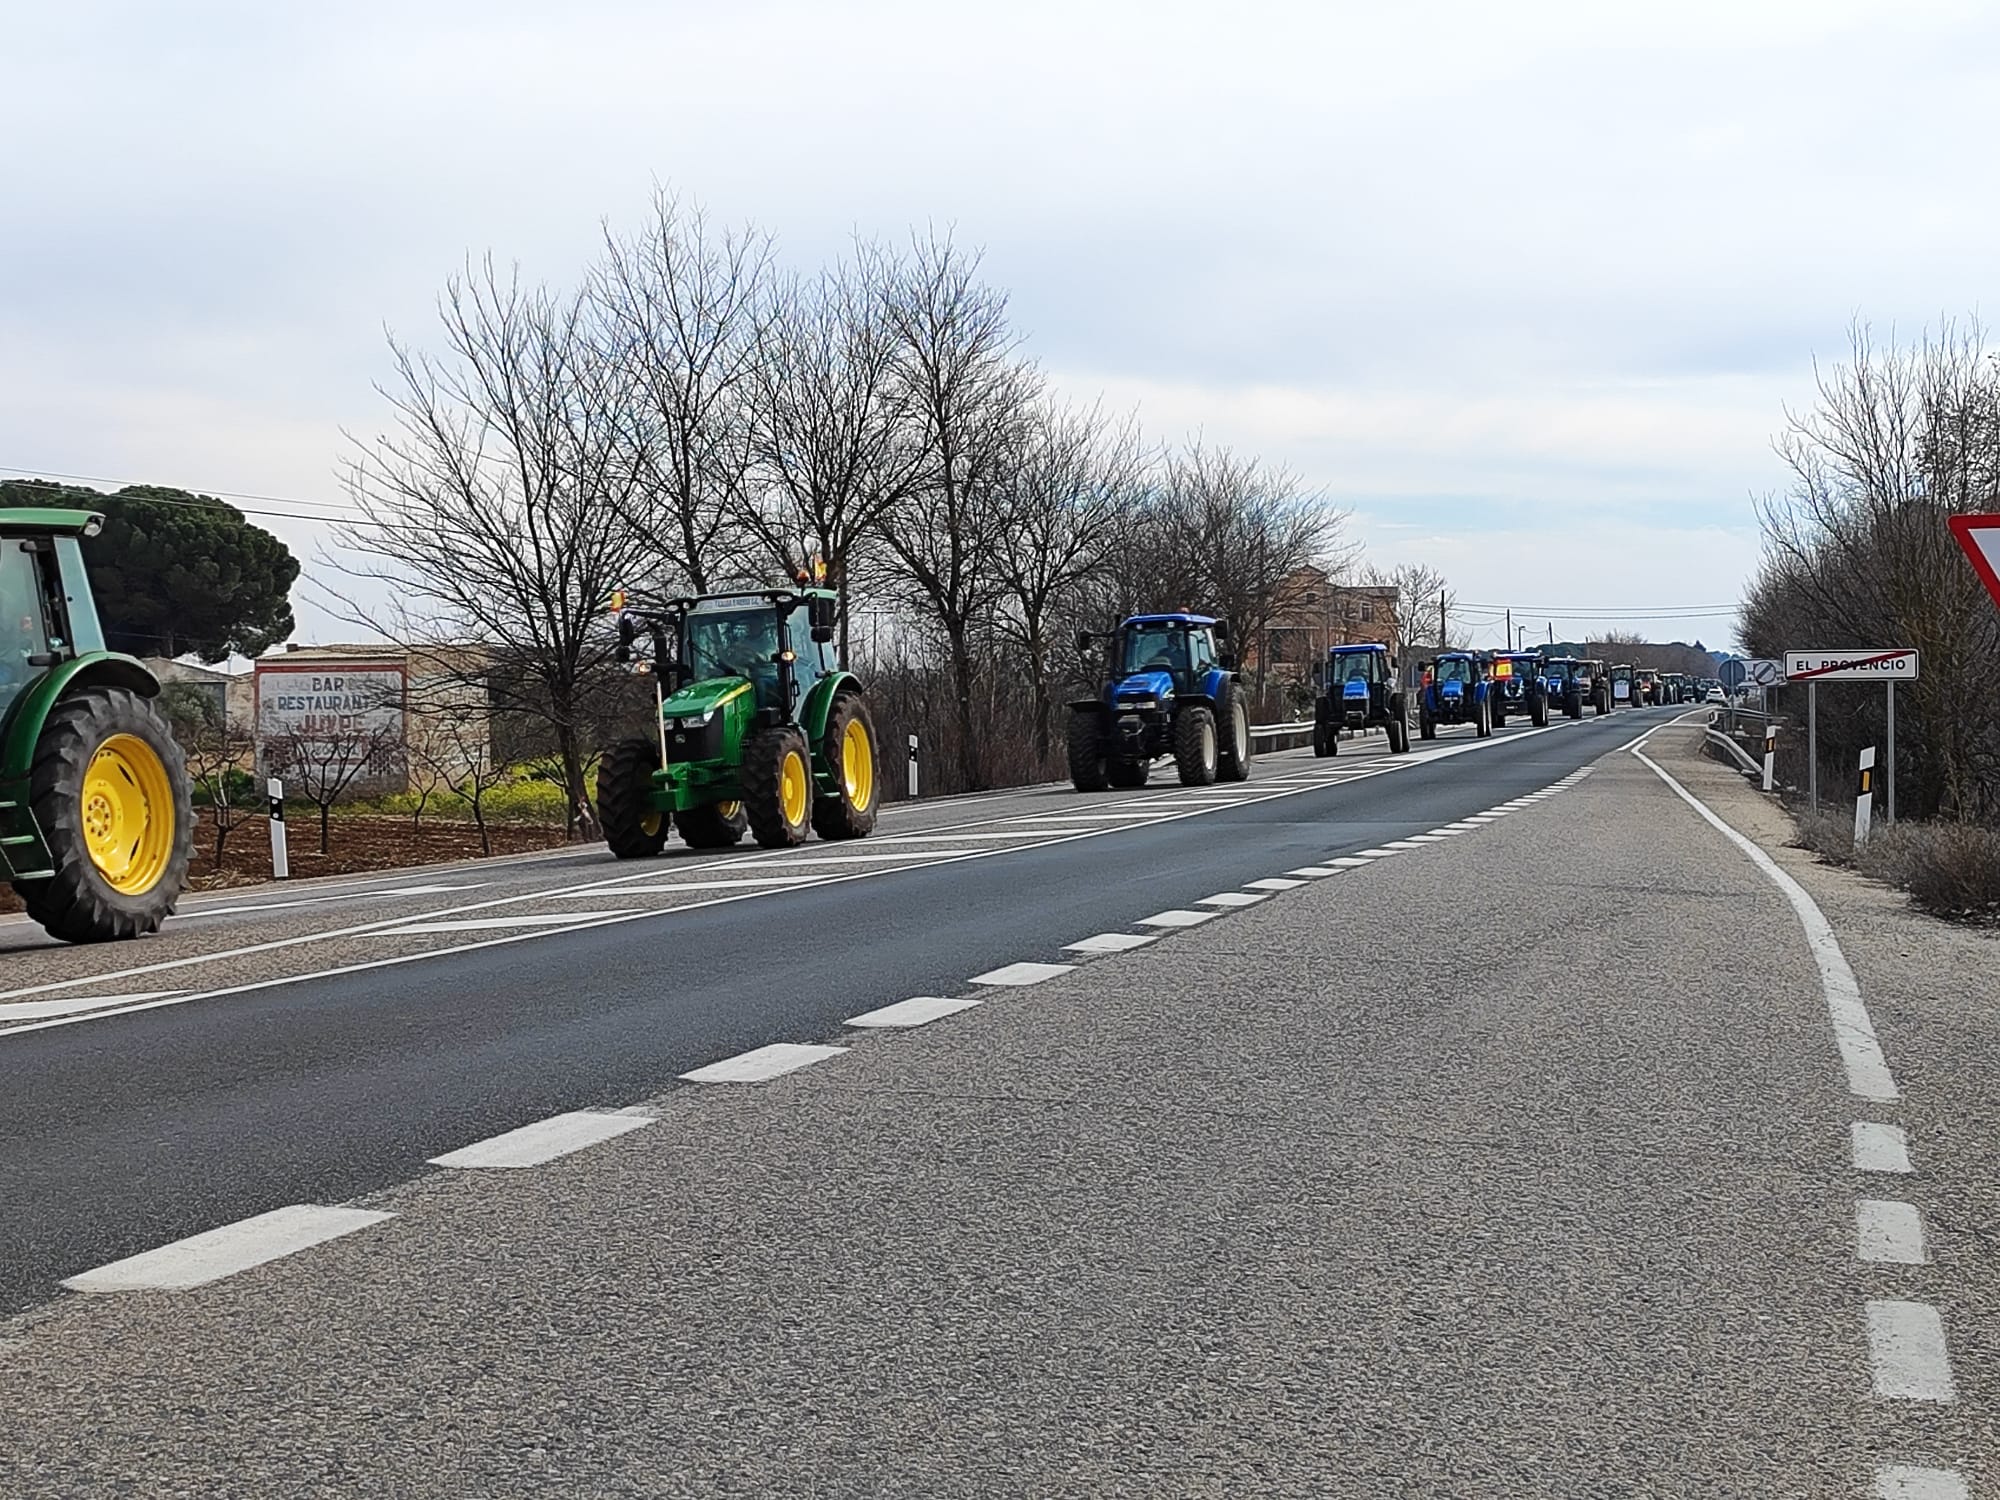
x=1196 y=750
x=1087 y=770
x=777 y=787
x=847 y=750
x=109 y=788
x=718 y=825
x=633 y=827
x=1399 y=730
x=1234 y=760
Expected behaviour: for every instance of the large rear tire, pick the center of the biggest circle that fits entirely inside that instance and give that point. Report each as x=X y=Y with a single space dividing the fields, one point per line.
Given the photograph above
x=1085 y=744
x=1482 y=719
x=633 y=827
x=1324 y=743
x=777 y=787
x=1234 y=718
x=847 y=750
x=1197 y=749
x=109 y=789
x=1399 y=726
x=719 y=825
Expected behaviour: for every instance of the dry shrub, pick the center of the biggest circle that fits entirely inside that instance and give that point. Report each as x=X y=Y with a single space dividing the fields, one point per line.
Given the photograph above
x=1949 y=869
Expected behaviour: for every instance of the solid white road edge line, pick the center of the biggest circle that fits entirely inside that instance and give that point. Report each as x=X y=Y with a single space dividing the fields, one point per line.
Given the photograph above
x=1906 y=1352
x=543 y=1141
x=761 y=1064
x=1868 y=1075
x=29 y=1010
x=216 y=1253
x=1890 y=1232
x=1879 y=1148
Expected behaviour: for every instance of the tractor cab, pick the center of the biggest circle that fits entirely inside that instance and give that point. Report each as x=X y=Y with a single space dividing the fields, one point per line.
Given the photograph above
x=1154 y=656
x=1456 y=690
x=1624 y=686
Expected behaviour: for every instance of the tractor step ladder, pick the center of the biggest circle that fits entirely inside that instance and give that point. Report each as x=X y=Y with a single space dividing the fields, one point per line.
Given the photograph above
x=15 y=815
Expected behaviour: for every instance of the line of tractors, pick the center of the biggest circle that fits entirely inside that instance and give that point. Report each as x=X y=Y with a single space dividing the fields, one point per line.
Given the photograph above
x=759 y=728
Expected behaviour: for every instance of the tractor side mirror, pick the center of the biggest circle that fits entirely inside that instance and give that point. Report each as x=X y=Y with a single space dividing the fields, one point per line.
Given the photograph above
x=1226 y=660
x=628 y=632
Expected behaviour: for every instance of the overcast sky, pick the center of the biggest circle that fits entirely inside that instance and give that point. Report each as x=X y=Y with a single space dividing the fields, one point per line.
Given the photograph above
x=1526 y=287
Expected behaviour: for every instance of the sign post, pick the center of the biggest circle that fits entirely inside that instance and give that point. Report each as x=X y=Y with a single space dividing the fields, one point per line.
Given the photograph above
x=1864 y=796
x=913 y=768
x=1770 y=753
x=1877 y=665
x=281 y=863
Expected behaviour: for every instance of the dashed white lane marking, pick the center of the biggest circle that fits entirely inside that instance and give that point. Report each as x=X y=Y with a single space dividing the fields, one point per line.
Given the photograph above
x=216 y=1253
x=1314 y=872
x=1111 y=942
x=918 y=1010
x=1022 y=973
x=1498 y=812
x=1879 y=1148
x=1447 y=833
x=1378 y=853
x=1347 y=862
x=763 y=1063
x=1480 y=818
x=1061 y=819
x=1889 y=1231
x=487 y=924
x=29 y=1010
x=1178 y=918
x=1402 y=844
x=1868 y=1075
x=958 y=836
x=1273 y=883
x=745 y=882
x=1425 y=838
x=543 y=1141
x=1906 y=1352
x=1232 y=898
x=1907 y=1482
x=1459 y=827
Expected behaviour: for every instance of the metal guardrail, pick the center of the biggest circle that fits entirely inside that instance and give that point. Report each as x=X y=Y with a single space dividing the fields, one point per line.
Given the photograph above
x=1261 y=731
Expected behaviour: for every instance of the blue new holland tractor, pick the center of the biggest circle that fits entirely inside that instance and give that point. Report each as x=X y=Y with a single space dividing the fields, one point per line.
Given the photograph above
x=1455 y=691
x=1357 y=690
x=1170 y=689
x=1517 y=688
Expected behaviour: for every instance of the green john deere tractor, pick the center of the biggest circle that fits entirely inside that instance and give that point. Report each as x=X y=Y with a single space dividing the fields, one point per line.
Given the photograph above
x=95 y=827
x=761 y=730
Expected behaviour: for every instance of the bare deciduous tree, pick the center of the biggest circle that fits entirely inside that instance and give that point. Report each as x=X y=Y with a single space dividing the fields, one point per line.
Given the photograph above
x=325 y=767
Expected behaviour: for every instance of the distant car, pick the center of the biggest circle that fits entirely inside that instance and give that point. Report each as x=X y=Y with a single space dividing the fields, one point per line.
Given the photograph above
x=1715 y=696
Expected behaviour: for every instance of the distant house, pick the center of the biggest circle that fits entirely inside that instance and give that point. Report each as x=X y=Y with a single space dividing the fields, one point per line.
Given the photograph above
x=1317 y=612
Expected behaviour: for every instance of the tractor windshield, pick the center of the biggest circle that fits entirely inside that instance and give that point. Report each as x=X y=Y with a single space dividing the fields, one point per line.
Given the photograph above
x=735 y=643
x=1352 y=666
x=1560 y=671
x=1453 y=669
x=1156 y=648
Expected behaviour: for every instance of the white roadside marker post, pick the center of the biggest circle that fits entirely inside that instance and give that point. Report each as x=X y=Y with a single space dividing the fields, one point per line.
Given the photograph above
x=1864 y=798
x=281 y=864
x=1770 y=754
x=913 y=768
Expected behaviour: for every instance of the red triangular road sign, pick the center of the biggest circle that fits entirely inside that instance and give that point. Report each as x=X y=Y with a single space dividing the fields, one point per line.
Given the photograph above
x=1980 y=537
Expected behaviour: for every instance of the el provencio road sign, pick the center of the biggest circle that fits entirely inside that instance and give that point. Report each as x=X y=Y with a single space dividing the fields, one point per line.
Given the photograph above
x=1859 y=665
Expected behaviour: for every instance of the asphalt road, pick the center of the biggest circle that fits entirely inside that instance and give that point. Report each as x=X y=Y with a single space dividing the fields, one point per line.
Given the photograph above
x=325 y=1041
x=1548 y=1152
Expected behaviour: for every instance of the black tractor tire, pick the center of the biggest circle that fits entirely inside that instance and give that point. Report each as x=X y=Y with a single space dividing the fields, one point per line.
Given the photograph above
x=1087 y=769
x=78 y=904
x=633 y=827
x=1482 y=719
x=1326 y=740
x=1427 y=726
x=718 y=825
x=1197 y=747
x=1399 y=727
x=1232 y=717
x=849 y=812
x=1127 y=775
x=768 y=756
x=1499 y=708
x=1538 y=710
x=1600 y=701
x=1573 y=702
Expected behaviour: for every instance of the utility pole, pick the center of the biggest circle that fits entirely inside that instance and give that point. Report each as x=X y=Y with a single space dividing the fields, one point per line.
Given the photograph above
x=1510 y=627
x=1442 y=627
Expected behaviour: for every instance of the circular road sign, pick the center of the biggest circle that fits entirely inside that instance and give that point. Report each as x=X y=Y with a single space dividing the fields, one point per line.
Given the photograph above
x=1733 y=672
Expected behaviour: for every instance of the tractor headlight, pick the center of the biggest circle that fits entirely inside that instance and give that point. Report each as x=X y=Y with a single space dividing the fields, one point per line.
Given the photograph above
x=1138 y=702
x=695 y=721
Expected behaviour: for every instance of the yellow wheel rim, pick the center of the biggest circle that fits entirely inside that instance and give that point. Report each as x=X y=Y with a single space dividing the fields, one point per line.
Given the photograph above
x=792 y=787
x=857 y=765
x=727 y=811
x=128 y=814
x=650 y=823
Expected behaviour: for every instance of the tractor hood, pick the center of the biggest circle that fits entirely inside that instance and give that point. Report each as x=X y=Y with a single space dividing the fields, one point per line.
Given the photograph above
x=700 y=699
x=1354 y=690
x=1158 y=686
x=1452 y=689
